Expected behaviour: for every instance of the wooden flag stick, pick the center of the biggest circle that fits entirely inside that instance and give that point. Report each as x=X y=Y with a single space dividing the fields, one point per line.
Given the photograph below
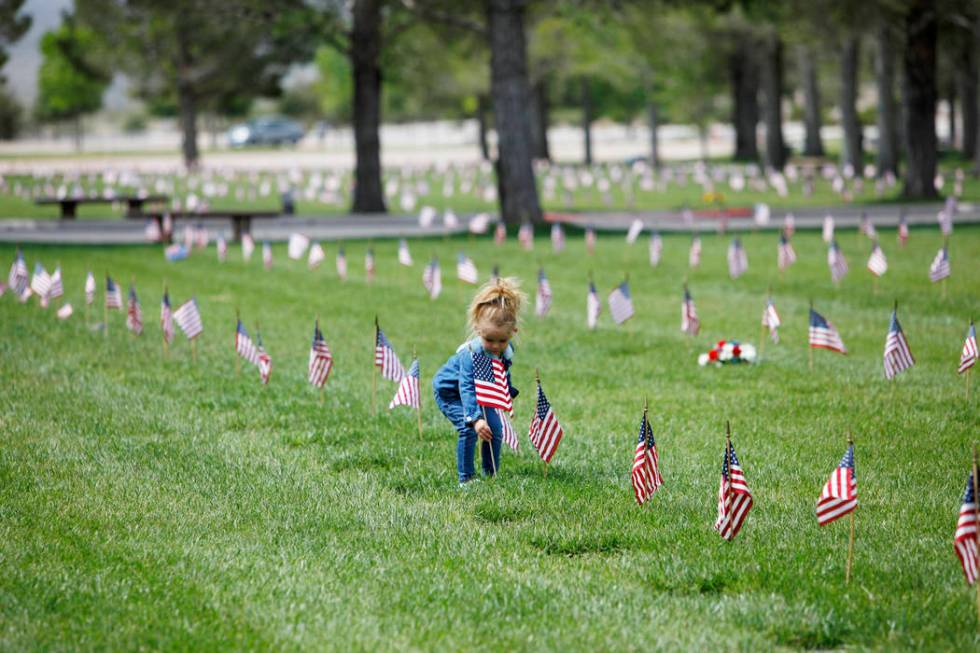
x=105 y=313
x=976 y=517
x=419 y=410
x=374 y=374
x=166 y=346
x=493 y=463
x=809 y=349
x=537 y=378
x=967 y=381
x=238 y=359
x=850 y=543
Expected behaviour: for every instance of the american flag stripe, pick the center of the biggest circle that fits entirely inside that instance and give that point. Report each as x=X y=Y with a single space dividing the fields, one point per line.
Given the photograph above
x=877 y=263
x=265 y=361
x=694 y=255
x=939 y=269
x=557 y=238
x=385 y=357
x=321 y=360
x=738 y=260
x=593 y=307
x=645 y=474
x=734 y=497
x=113 y=298
x=404 y=256
x=57 y=287
x=244 y=345
x=508 y=434
x=656 y=249
x=542 y=300
x=837 y=262
x=690 y=324
x=968 y=358
x=621 y=303
x=898 y=356
x=316 y=256
x=823 y=335
x=545 y=432
x=408 y=393
x=166 y=318
x=134 y=313
x=490 y=381
x=965 y=539
x=89 y=288
x=839 y=496
x=188 y=318
x=786 y=255
x=466 y=270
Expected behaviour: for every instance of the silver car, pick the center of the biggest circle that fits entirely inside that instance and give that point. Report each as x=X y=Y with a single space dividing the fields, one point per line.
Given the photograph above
x=271 y=130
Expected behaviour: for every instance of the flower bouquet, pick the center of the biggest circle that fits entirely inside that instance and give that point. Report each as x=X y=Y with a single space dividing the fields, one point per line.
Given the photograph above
x=728 y=352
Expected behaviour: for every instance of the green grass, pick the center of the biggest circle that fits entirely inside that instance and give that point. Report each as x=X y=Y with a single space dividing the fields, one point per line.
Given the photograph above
x=148 y=502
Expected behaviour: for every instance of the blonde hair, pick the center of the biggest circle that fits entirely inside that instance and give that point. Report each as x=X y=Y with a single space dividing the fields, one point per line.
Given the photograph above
x=498 y=302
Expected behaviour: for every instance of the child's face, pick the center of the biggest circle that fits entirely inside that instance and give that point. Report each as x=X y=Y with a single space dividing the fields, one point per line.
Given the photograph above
x=495 y=337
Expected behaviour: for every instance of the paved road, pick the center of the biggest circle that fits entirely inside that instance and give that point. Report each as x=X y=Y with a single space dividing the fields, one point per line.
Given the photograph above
x=121 y=231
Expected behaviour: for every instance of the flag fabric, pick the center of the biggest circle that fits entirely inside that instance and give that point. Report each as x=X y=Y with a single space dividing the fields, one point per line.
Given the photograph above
x=690 y=324
x=939 y=269
x=965 y=540
x=734 y=496
x=545 y=431
x=188 y=318
x=134 y=313
x=593 y=307
x=64 y=312
x=499 y=234
x=222 y=248
x=828 y=229
x=789 y=225
x=432 y=278
x=770 y=319
x=57 y=286
x=248 y=246
x=877 y=263
x=316 y=256
x=903 y=231
x=265 y=361
x=839 y=495
x=297 y=246
x=166 y=318
x=479 y=223
x=621 y=303
x=244 y=345
x=542 y=299
x=738 y=260
x=369 y=264
x=404 y=256
x=267 y=255
x=175 y=252
x=385 y=358
x=823 y=335
x=898 y=356
x=342 y=264
x=868 y=227
x=590 y=240
x=636 y=228
x=837 y=262
x=945 y=216
x=694 y=255
x=408 y=393
x=18 y=277
x=969 y=356
x=656 y=248
x=557 y=238
x=508 y=434
x=490 y=381
x=466 y=269
x=89 y=288
x=113 y=298
x=645 y=475
x=41 y=283
x=321 y=360
x=525 y=236
x=786 y=255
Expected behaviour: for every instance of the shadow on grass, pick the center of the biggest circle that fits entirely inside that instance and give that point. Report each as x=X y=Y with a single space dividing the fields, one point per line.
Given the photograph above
x=576 y=545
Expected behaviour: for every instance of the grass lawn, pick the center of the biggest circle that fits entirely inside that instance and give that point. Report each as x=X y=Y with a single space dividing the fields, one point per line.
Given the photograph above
x=148 y=502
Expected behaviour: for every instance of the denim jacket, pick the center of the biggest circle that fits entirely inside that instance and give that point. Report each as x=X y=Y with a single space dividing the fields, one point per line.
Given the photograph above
x=454 y=380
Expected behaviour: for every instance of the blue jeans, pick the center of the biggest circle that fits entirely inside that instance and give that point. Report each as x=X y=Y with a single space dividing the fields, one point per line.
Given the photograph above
x=466 y=440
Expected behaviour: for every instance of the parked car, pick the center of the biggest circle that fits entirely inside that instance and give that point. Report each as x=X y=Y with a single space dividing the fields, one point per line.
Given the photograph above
x=271 y=130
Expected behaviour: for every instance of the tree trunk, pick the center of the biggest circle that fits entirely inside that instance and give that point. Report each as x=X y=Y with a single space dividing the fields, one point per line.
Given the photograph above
x=510 y=92
x=966 y=77
x=813 y=143
x=919 y=86
x=654 y=145
x=887 y=118
x=853 y=150
x=745 y=102
x=481 y=120
x=586 y=90
x=365 y=53
x=773 y=85
x=187 y=99
x=541 y=112
x=951 y=116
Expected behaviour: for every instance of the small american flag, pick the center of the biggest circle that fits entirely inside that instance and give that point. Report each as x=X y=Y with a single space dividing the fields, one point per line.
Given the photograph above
x=939 y=269
x=342 y=264
x=839 y=495
x=620 y=303
x=690 y=324
x=267 y=255
x=385 y=358
x=432 y=278
x=898 y=356
x=89 y=288
x=877 y=263
x=18 y=277
x=113 y=298
x=222 y=247
x=134 y=313
x=734 y=497
x=738 y=260
x=248 y=246
x=593 y=307
x=499 y=234
x=265 y=361
x=789 y=225
x=636 y=228
x=369 y=264
x=590 y=240
x=656 y=248
x=694 y=255
x=316 y=256
x=542 y=300
x=166 y=318
x=823 y=335
x=545 y=431
x=57 y=286
x=770 y=319
x=404 y=256
x=837 y=262
x=903 y=230
x=828 y=229
x=965 y=540
x=244 y=345
x=525 y=236
x=188 y=318
x=41 y=283
x=969 y=356
x=466 y=269
x=786 y=255
x=490 y=381
x=297 y=246
x=868 y=227
x=645 y=475
x=557 y=238
x=408 y=390
x=321 y=360
x=64 y=312
x=479 y=223
x=945 y=216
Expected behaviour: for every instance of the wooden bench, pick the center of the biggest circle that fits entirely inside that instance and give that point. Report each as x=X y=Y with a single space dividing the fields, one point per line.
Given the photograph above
x=134 y=203
x=241 y=220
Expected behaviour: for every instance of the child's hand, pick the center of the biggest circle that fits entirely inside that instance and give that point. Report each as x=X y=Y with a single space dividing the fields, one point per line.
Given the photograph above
x=483 y=430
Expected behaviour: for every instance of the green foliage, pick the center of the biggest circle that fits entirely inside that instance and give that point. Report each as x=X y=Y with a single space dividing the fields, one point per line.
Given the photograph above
x=11 y=114
x=12 y=26
x=335 y=85
x=69 y=85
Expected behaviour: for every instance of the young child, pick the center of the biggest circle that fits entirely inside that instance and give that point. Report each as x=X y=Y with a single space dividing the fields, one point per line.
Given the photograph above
x=493 y=318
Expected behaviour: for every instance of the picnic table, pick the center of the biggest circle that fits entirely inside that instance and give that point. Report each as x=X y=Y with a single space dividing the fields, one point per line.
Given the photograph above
x=241 y=220
x=134 y=203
